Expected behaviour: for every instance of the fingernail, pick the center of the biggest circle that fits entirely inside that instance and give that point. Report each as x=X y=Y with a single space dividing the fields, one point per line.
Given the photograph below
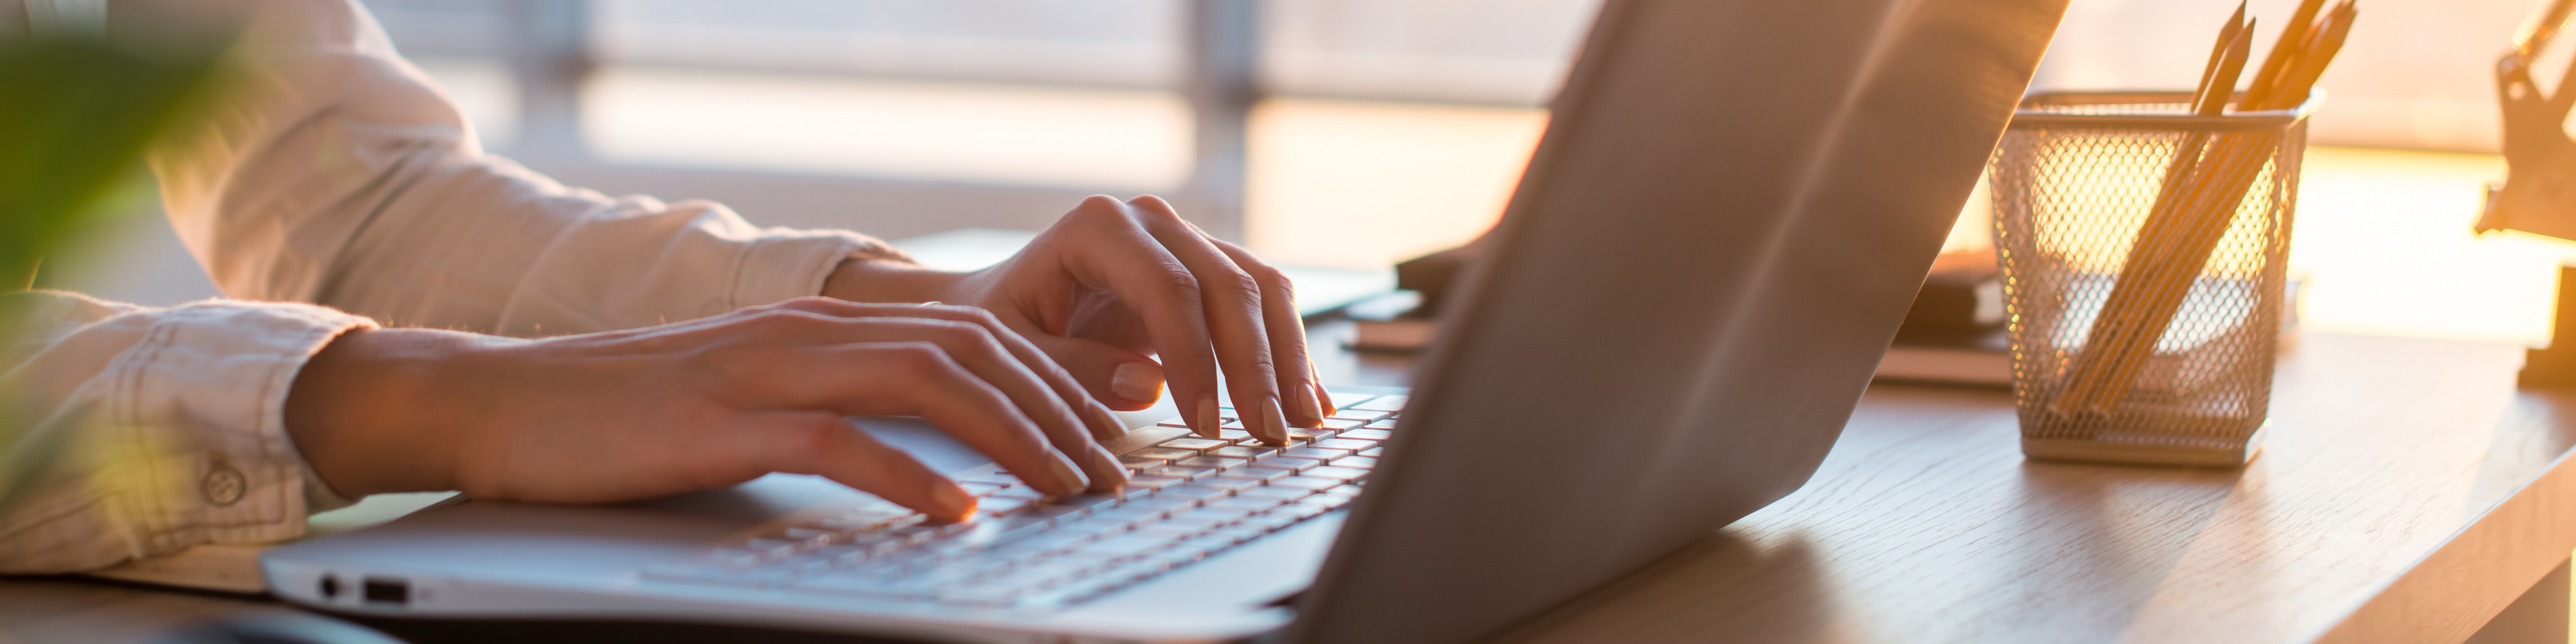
x=1137 y=381
x=1207 y=425
x=1107 y=419
x=1278 y=422
x=1325 y=398
x=952 y=499
x=1064 y=470
x=1117 y=477
x=1307 y=405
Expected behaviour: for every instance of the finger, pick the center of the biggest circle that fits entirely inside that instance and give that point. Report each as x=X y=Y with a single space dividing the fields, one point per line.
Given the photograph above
x=1125 y=379
x=917 y=379
x=822 y=444
x=1287 y=334
x=1104 y=425
x=1003 y=358
x=1233 y=317
x=981 y=350
x=1162 y=291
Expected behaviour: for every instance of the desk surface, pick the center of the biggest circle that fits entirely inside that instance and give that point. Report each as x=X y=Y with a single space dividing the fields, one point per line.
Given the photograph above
x=2408 y=493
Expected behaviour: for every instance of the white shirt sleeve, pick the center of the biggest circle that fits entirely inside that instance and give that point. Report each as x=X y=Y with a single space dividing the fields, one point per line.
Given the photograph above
x=342 y=176
x=133 y=432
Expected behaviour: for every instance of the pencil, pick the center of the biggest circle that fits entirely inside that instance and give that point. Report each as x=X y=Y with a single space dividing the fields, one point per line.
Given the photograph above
x=2189 y=219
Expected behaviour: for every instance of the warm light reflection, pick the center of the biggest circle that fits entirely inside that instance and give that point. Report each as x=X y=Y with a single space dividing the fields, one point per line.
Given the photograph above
x=1361 y=184
x=2383 y=240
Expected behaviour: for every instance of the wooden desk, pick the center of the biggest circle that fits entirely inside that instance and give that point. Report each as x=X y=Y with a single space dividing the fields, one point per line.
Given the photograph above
x=2408 y=494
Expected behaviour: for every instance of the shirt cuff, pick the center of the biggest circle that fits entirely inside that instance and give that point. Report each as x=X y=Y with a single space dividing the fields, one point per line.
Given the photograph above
x=785 y=264
x=209 y=386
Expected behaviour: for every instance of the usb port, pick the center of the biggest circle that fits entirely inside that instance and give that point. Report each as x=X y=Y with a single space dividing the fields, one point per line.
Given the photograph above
x=380 y=590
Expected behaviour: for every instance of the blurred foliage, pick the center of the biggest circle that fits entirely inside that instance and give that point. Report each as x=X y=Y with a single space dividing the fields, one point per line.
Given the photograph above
x=76 y=114
x=79 y=114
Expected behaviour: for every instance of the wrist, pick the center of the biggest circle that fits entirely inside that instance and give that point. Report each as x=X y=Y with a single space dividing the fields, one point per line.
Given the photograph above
x=370 y=415
x=865 y=279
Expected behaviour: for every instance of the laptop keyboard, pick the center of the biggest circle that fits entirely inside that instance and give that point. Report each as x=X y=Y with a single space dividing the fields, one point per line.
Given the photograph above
x=1190 y=498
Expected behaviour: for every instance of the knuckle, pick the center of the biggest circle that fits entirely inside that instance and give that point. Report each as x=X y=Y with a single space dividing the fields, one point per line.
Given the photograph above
x=918 y=358
x=1096 y=208
x=1175 y=277
x=1240 y=281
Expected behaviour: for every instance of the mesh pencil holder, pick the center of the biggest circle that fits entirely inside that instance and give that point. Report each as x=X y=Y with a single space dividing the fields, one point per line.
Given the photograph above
x=2143 y=251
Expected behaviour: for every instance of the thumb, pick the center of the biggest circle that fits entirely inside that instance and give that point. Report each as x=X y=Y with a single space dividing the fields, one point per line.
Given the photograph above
x=1122 y=379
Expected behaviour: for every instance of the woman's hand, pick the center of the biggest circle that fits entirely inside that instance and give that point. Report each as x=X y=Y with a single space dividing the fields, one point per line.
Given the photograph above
x=701 y=404
x=1113 y=281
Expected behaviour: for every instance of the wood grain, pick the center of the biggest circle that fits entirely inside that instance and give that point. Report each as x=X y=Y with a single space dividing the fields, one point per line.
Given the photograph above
x=2408 y=494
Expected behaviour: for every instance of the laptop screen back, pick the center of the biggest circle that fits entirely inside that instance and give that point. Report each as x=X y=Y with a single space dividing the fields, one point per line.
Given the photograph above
x=1725 y=222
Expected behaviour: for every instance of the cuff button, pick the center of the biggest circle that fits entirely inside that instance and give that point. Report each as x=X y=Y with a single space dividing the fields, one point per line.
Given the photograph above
x=224 y=485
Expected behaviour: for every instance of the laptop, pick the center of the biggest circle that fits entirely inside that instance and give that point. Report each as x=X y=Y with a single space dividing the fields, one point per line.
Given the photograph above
x=1720 y=231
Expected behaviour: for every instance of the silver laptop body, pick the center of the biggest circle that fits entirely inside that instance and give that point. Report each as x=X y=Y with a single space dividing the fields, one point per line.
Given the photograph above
x=1727 y=218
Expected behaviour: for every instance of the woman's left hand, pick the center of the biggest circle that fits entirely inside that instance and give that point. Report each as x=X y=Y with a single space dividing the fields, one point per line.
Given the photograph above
x=1115 y=280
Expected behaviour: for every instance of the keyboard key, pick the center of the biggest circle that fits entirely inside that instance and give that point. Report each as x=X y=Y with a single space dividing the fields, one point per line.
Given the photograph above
x=1309 y=435
x=1336 y=473
x=1197 y=493
x=999 y=505
x=1191 y=444
x=1052 y=541
x=1124 y=546
x=1247 y=505
x=1316 y=453
x=1235 y=435
x=1232 y=483
x=1387 y=403
x=1344 y=399
x=1366 y=435
x=1161 y=504
x=1357 y=462
x=1182 y=472
x=1371 y=452
x=1124 y=516
x=1088 y=501
x=1019 y=492
x=1219 y=463
x=1326 y=501
x=1140 y=463
x=1280 y=494
x=1341 y=443
x=1154 y=482
x=1175 y=422
x=1193 y=523
x=1363 y=416
x=1285 y=463
x=1247 y=452
x=1263 y=474
x=1346 y=490
x=1306 y=482
x=1386 y=423
x=1053 y=512
x=1157 y=452
x=1340 y=425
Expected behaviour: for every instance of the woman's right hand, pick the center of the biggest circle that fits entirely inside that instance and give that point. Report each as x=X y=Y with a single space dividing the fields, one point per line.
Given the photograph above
x=700 y=404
